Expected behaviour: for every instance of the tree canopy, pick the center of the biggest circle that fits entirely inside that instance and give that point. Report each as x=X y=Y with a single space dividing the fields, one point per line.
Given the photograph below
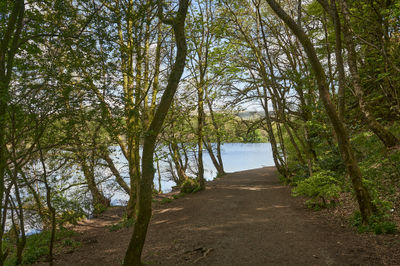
x=95 y=94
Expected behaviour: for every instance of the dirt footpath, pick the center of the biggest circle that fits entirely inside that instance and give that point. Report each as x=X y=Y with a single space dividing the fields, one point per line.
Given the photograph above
x=244 y=218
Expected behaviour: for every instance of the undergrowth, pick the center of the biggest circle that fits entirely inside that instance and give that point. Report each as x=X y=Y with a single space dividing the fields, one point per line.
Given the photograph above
x=190 y=186
x=37 y=246
x=379 y=224
x=322 y=187
x=380 y=169
x=124 y=223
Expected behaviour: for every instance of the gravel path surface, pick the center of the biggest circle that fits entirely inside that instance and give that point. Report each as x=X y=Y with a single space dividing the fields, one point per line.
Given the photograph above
x=244 y=218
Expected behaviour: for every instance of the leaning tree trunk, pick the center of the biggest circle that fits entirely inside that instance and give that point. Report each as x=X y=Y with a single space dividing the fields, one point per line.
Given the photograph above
x=118 y=178
x=339 y=59
x=99 y=200
x=176 y=157
x=384 y=135
x=217 y=165
x=217 y=161
x=366 y=206
x=134 y=251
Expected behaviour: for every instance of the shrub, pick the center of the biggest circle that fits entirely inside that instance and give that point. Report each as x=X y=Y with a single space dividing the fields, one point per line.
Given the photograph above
x=99 y=208
x=379 y=224
x=37 y=246
x=322 y=185
x=190 y=186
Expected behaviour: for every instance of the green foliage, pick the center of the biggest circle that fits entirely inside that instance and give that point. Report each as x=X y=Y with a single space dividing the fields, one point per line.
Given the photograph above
x=331 y=160
x=70 y=211
x=166 y=200
x=190 y=186
x=124 y=223
x=322 y=185
x=379 y=224
x=68 y=242
x=99 y=208
x=37 y=246
x=380 y=168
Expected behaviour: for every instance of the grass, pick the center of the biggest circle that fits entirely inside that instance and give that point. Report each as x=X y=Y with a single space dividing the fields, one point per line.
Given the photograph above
x=125 y=223
x=380 y=168
x=166 y=200
x=177 y=196
x=377 y=224
x=37 y=246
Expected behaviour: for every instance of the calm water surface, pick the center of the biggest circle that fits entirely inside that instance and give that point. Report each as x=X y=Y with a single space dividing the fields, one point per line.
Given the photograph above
x=236 y=157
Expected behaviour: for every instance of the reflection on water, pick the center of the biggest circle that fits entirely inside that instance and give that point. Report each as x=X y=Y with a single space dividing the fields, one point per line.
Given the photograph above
x=236 y=157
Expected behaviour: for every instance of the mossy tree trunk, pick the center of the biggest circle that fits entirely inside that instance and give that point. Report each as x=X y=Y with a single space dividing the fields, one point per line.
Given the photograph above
x=9 y=45
x=365 y=203
x=179 y=165
x=99 y=200
x=200 y=126
x=134 y=251
x=384 y=135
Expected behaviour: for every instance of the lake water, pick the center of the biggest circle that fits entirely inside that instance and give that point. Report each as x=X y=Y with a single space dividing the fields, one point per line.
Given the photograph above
x=236 y=157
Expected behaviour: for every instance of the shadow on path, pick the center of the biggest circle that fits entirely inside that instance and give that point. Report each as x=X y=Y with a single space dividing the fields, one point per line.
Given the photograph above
x=244 y=218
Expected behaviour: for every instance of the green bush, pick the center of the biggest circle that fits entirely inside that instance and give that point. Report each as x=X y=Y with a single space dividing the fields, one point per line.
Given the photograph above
x=99 y=208
x=379 y=224
x=190 y=186
x=322 y=185
x=37 y=246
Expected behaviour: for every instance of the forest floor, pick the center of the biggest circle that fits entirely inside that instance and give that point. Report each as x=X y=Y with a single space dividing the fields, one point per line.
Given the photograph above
x=243 y=218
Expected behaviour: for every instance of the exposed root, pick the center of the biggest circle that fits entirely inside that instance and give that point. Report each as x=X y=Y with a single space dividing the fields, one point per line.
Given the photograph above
x=204 y=254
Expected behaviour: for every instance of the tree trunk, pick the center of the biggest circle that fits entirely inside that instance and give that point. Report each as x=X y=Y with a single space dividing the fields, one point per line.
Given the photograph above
x=366 y=206
x=218 y=163
x=200 y=124
x=49 y=205
x=332 y=11
x=98 y=197
x=134 y=251
x=275 y=151
x=218 y=167
x=388 y=139
x=182 y=177
x=159 y=176
x=121 y=182
x=8 y=49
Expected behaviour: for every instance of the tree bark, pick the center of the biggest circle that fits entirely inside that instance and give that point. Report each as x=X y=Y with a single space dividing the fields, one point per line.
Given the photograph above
x=134 y=251
x=332 y=11
x=366 y=206
x=121 y=182
x=98 y=197
x=8 y=48
x=200 y=124
x=176 y=157
x=209 y=148
x=388 y=139
x=217 y=161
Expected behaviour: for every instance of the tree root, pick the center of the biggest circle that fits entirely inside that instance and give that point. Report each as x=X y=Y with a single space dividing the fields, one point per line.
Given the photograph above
x=204 y=254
